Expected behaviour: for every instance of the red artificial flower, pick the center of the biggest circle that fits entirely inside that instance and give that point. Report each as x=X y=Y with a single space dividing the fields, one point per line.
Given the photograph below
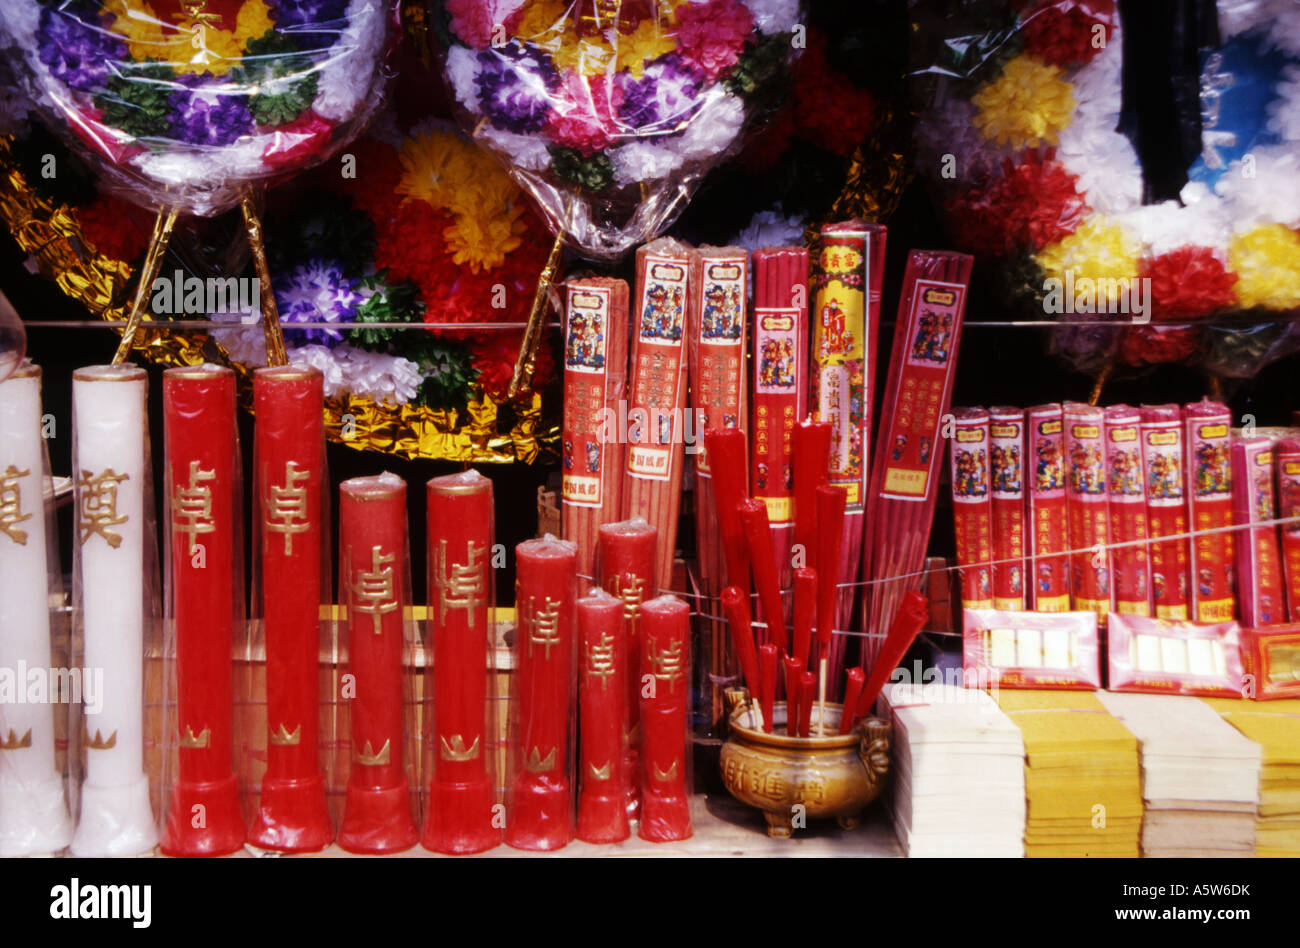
x=377 y=174
x=832 y=112
x=768 y=144
x=1038 y=200
x=112 y=143
x=494 y=354
x=1188 y=283
x=118 y=230
x=975 y=223
x=1065 y=32
x=1155 y=345
x=299 y=141
x=409 y=243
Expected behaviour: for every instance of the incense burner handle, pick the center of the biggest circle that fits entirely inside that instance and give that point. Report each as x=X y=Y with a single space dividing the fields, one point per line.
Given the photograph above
x=873 y=749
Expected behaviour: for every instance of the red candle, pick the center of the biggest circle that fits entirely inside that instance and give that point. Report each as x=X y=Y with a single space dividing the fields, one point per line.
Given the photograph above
x=540 y=815
x=373 y=566
x=665 y=667
x=201 y=447
x=753 y=516
x=807 y=692
x=289 y=469
x=625 y=563
x=602 y=711
x=726 y=450
x=812 y=453
x=805 y=604
x=735 y=606
x=793 y=693
x=767 y=662
x=908 y=621
x=830 y=542
x=459 y=818
x=855 y=680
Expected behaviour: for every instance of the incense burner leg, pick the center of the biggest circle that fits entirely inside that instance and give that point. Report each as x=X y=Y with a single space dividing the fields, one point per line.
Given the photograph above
x=848 y=821
x=779 y=825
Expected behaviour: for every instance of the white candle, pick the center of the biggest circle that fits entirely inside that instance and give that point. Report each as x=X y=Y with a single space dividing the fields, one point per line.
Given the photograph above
x=109 y=467
x=33 y=807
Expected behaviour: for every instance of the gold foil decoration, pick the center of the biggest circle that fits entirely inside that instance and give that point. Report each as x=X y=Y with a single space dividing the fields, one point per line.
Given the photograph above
x=275 y=351
x=879 y=172
x=526 y=363
x=162 y=234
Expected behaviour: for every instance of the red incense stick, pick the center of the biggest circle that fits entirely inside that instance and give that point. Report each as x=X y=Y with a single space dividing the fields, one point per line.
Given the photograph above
x=753 y=515
x=908 y=622
x=812 y=446
x=855 y=680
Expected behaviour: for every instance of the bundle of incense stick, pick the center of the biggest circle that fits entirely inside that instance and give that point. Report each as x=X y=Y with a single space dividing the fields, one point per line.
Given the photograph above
x=595 y=375
x=1047 y=538
x=780 y=359
x=1007 y=473
x=848 y=275
x=1287 y=453
x=1162 y=457
x=1088 y=525
x=909 y=619
x=652 y=484
x=1259 y=570
x=726 y=450
x=917 y=395
x=1126 y=496
x=972 y=508
x=1208 y=436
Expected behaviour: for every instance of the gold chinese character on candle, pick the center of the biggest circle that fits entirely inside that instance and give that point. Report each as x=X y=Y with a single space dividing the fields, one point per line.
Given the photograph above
x=600 y=660
x=98 y=508
x=286 y=506
x=667 y=663
x=11 y=505
x=462 y=585
x=544 y=626
x=372 y=590
x=193 y=505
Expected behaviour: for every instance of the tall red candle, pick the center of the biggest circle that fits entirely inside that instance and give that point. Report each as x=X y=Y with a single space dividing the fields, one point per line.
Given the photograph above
x=768 y=660
x=602 y=719
x=289 y=470
x=726 y=450
x=459 y=815
x=812 y=452
x=625 y=563
x=793 y=693
x=665 y=666
x=735 y=605
x=805 y=612
x=375 y=589
x=201 y=448
x=830 y=542
x=539 y=815
x=758 y=534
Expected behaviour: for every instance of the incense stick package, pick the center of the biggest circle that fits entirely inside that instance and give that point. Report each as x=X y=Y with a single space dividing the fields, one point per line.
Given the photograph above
x=652 y=484
x=1007 y=473
x=1049 y=650
x=1185 y=658
x=1047 y=510
x=918 y=392
x=972 y=510
x=780 y=359
x=595 y=375
x=1162 y=459
x=847 y=280
x=1208 y=437
x=1287 y=454
x=1085 y=504
x=1259 y=570
x=1126 y=496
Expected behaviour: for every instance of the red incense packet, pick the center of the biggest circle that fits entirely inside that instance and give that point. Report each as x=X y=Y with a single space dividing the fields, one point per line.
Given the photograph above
x=595 y=376
x=1162 y=459
x=1208 y=436
x=904 y=482
x=1272 y=658
x=1007 y=473
x=1287 y=453
x=652 y=484
x=1129 y=560
x=1259 y=569
x=780 y=360
x=1051 y=650
x=1048 y=539
x=1157 y=656
x=972 y=508
x=1085 y=504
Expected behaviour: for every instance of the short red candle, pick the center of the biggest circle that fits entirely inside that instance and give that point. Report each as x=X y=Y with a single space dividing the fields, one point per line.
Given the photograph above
x=726 y=450
x=459 y=817
x=665 y=664
x=853 y=685
x=812 y=458
x=830 y=543
x=625 y=561
x=767 y=662
x=289 y=472
x=373 y=565
x=758 y=533
x=602 y=714
x=201 y=447
x=539 y=815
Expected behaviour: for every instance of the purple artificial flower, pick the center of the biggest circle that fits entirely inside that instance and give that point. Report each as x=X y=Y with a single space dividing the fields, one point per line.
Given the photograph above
x=306 y=12
x=317 y=292
x=79 y=54
x=661 y=101
x=208 y=116
x=515 y=86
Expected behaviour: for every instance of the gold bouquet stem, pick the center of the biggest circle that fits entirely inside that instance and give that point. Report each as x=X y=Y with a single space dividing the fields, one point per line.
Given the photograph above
x=162 y=233
x=1102 y=378
x=275 y=351
x=526 y=363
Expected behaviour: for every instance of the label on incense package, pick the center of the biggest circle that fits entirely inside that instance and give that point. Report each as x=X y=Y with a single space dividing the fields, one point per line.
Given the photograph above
x=1007 y=471
x=1162 y=459
x=1047 y=510
x=776 y=407
x=1209 y=499
x=588 y=379
x=1126 y=496
x=1259 y=571
x=972 y=510
x=718 y=344
x=1288 y=502
x=655 y=425
x=1085 y=499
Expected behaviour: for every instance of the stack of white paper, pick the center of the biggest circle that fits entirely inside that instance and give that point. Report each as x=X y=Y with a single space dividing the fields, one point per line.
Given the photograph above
x=958 y=787
x=1200 y=776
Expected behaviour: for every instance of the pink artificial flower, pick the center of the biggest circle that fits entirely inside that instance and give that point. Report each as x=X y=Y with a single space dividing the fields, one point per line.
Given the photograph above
x=585 y=117
x=297 y=142
x=474 y=21
x=712 y=35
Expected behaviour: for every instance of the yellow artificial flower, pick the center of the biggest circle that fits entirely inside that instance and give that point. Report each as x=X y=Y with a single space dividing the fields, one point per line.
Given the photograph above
x=1028 y=104
x=543 y=23
x=588 y=55
x=436 y=168
x=1267 y=263
x=648 y=41
x=136 y=23
x=1099 y=251
x=254 y=20
x=187 y=46
x=481 y=243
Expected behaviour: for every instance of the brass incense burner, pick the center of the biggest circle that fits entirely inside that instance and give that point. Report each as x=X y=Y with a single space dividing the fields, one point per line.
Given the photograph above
x=832 y=775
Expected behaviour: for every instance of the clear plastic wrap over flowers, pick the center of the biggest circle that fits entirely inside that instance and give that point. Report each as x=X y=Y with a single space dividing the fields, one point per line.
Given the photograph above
x=609 y=112
x=184 y=103
x=1128 y=170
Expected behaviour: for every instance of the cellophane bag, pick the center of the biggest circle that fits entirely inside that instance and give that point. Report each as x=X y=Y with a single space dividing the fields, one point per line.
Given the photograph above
x=186 y=102
x=610 y=111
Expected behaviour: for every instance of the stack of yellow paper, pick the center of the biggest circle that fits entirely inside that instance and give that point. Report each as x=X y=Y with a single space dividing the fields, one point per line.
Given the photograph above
x=1083 y=785
x=1275 y=726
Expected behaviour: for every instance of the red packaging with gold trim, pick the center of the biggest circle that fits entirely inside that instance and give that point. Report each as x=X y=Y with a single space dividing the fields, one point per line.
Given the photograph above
x=1272 y=657
x=1130 y=562
x=1086 y=509
x=1259 y=567
x=1162 y=461
x=1288 y=503
x=972 y=510
x=1007 y=475
x=1209 y=500
x=1047 y=515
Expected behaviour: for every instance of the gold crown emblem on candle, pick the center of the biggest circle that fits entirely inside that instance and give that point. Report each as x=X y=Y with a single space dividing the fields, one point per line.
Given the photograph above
x=456 y=750
x=601 y=773
x=283 y=737
x=101 y=743
x=665 y=775
x=367 y=757
x=13 y=742
x=192 y=741
x=537 y=764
